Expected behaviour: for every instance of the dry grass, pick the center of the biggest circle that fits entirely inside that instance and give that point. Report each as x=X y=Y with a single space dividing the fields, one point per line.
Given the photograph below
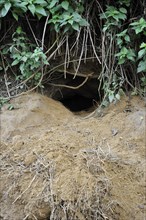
x=34 y=183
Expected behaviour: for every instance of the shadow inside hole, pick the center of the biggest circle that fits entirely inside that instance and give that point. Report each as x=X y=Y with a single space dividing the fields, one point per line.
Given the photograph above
x=78 y=103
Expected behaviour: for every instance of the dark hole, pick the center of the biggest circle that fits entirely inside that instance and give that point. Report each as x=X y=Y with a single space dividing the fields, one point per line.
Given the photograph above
x=78 y=103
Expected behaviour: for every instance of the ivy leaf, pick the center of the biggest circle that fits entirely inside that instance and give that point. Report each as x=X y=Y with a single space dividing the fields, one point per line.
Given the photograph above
x=5 y=10
x=7 y=6
x=15 y=62
x=143 y=45
x=121 y=61
x=42 y=2
x=75 y=26
x=53 y=3
x=70 y=22
x=24 y=59
x=123 y=10
x=83 y=22
x=138 y=30
x=20 y=7
x=57 y=28
x=40 y=10
x=141 y=67
x=127 y=38
x=141 y=53
x=65 y=5
x=119 y=41
x=67 y=28
x=31 y=9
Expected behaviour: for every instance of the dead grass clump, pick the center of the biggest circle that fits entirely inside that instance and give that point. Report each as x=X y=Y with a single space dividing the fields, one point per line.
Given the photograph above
x=45 y=190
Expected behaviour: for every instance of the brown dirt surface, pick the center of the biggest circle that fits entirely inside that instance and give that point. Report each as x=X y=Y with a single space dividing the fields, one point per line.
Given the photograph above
x=60 y=166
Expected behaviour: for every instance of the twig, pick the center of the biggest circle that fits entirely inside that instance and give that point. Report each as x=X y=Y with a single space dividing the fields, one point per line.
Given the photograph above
x=93 y=46
x=80 y=58
x=6 y=83
x=32 y=31
x=44 y=31
x=70 y=87
x=30 y=90
x=59 y=45
x=78 y=74
x=25 y=189
x=71 y=61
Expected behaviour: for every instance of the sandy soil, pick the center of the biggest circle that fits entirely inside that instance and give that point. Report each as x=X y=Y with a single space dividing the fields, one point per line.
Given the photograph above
x=60 y=166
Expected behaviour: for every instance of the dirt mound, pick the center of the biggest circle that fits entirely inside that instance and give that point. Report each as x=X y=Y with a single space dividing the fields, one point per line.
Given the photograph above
x=32 y=112
x=56 y=165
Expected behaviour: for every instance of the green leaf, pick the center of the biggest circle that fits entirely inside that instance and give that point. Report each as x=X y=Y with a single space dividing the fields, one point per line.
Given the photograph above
x=143 y=81
x=77 y=17
x=3 y=12
x=66 y=16
x=42 y=2
x=102 y=16
x=67 y=28
x=121 y=61
x=63 y=23
x=123 y=10
x=53 y=3
x=141 y=66
x=130 y=57
x=122 y=34
x=7 y=6
x=121 y=16
x=70 y=22
x=138 y=30
x=141 y=53
x=127 y=38
x=106 y=28
x=19 y=30
x=20 y=7
x=75 y=26
x=37 y=76
x=57 y=28
x=65 y=5
x=83 y=22
x=139 y=26
x=15 y=62
x=119 y=41
x=40 y=10
x=31 y=9
x=10 y=107
x=143 y=45
x=24 y=59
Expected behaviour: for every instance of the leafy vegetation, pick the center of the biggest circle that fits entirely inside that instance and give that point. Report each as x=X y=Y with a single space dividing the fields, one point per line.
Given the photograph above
x=124 y=50
x=41 y=31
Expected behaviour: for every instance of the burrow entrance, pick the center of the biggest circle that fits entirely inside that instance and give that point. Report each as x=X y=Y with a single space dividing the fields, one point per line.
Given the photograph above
x=74 y=98
x=78 y=103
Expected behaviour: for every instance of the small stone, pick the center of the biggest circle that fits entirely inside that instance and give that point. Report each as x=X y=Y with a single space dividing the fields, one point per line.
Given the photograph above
x=141 y=206
x=114 y=131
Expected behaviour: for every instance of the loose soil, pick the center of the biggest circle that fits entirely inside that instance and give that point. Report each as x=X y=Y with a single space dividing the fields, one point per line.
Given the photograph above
x=60 y=166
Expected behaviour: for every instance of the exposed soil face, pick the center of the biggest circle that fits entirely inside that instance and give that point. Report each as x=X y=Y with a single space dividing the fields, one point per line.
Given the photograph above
x=61 y=166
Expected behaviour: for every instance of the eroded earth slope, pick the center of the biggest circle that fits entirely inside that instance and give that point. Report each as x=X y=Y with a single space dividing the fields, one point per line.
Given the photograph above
x=60 y=166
